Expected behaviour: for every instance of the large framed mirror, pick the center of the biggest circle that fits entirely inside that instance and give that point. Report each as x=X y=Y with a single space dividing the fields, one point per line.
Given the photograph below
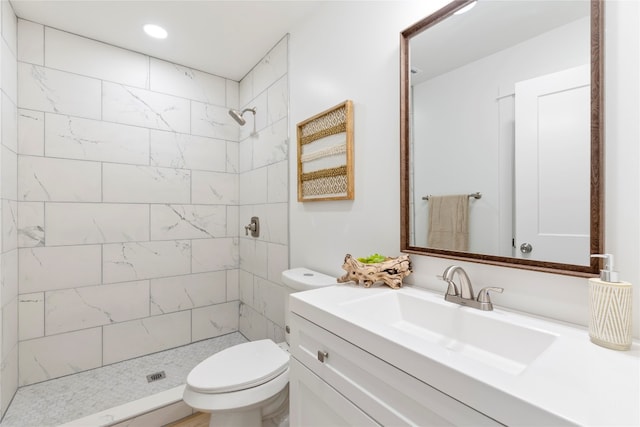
x=501 y=136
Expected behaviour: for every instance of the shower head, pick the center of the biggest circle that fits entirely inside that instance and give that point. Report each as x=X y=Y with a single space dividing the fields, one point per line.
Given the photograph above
x=237 y=115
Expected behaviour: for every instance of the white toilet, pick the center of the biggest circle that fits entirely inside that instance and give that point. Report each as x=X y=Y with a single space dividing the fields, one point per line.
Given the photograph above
x=247 y=385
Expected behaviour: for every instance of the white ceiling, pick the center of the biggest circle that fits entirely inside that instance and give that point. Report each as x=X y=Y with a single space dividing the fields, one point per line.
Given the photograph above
x=229 y=37
x=226 y=38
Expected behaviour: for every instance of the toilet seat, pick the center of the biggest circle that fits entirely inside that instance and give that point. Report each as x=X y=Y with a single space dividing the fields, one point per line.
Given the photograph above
x=239 y=367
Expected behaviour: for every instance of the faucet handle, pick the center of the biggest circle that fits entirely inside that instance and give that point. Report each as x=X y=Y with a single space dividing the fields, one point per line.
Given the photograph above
x=483 y=295
x=452 y=289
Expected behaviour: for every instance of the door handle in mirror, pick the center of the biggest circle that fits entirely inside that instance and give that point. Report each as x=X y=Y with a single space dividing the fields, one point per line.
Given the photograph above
x=526 y=248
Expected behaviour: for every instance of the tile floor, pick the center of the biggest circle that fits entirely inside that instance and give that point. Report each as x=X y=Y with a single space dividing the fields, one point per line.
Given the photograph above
x=61 y=400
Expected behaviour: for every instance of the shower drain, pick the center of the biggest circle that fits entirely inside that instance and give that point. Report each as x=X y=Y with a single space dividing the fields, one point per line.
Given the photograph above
x=156 y=376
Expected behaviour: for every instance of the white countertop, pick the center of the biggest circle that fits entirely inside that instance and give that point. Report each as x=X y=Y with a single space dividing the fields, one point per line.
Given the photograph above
x=573 y=381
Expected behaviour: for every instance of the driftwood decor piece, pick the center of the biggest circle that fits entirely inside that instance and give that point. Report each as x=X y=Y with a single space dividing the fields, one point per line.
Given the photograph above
x=325 y=155
x=390 y=271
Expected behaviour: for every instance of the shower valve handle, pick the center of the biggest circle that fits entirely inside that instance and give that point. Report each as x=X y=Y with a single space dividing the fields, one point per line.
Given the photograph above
x=253 y=226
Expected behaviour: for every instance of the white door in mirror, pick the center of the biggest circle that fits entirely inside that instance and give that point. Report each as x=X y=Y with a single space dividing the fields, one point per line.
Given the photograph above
x=552 y=209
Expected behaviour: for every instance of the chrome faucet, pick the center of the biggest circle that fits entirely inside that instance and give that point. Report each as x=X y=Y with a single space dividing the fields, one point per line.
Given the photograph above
x=465 y=295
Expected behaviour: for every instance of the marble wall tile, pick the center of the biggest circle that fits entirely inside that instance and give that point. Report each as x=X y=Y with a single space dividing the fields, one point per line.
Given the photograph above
x=233 y=225
x=214 y=188
x=9 y=124
x=69 y=52
x=275 y=332
x=187 y=222
x=233 y=157
x=9 y=71
x=124 y=262
x=188 y=83
x=252 y=324
x=170 y=174
x=232 y=98
x=215 y=320
x=31 y=315
x=9 y=326
x=31 y=42
x=83 y=139
x=90 y=306
x=9 y=165
x=9 y=374
x=9 y=275
x=145 y=184
x=271 y=68
x=273 y=146
x=278 y=256
x=245 y=214
x=86 y=223
x=138 y=337
x=54 y=91
x=213 y=121
x=169 y=294
x=139 y=107
x=233 y=285
x=278 y=182
x=58 y=355
x=178 y=150
x=30 y=132
x=260 y=105
x=245 y=287
x=246 y=89
x=253 y=256
x=271 y=297
x=254 y=187
x=264 y=188
x=245 y=154
x=58 y=267
x=276 y=223
x=58 y=180
x=214 y=254
x=9 y=225
x=9 y=25
x=278 y=100
x=30 y=224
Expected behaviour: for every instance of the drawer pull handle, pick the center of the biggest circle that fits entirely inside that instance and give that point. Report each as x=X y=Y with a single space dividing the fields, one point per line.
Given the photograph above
x=322 y=355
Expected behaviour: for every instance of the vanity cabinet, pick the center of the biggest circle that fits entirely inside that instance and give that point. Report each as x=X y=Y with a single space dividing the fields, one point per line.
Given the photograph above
x=334 y=382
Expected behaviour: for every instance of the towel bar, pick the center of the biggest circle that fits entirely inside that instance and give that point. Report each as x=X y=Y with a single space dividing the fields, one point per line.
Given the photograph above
x=476 y=195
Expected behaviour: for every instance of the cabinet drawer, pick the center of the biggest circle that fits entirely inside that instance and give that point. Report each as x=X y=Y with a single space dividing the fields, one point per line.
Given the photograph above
x=387 y=394
x=314 y=403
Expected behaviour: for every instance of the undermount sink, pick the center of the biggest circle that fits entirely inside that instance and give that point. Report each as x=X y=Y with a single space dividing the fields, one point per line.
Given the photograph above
x=481 y=336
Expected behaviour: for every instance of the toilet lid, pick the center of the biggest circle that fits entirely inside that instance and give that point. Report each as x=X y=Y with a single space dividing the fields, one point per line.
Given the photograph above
x=239 y=367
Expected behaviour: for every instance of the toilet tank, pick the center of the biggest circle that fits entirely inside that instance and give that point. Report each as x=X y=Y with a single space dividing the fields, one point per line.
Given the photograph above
x=302 y=279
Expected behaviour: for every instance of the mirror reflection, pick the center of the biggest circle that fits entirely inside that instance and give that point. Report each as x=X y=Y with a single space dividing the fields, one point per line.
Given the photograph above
x=500 y=132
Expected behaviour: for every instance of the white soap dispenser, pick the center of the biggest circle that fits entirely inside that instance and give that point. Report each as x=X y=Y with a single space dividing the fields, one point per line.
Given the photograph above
x=610 y=308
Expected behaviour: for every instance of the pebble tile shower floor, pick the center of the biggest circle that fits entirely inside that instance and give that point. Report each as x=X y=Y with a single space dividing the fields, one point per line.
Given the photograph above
x=65 y=399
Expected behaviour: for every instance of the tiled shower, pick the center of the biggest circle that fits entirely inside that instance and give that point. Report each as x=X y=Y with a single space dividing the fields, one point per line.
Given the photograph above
x=132 y=187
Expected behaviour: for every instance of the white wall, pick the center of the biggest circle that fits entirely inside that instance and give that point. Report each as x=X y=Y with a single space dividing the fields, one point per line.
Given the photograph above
x=349 y=50
x=356 y=56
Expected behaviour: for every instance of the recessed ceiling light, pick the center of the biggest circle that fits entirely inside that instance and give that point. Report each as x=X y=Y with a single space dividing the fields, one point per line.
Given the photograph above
x=155 y=31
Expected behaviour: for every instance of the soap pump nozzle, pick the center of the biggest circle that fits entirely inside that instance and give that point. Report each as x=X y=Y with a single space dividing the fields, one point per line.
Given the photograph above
x=607 y=274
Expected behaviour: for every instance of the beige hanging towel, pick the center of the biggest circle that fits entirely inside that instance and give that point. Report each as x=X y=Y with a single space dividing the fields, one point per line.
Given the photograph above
x=449 y=222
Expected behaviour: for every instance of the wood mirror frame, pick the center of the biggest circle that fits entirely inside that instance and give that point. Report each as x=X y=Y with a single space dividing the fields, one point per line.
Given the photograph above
x=597 y=185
